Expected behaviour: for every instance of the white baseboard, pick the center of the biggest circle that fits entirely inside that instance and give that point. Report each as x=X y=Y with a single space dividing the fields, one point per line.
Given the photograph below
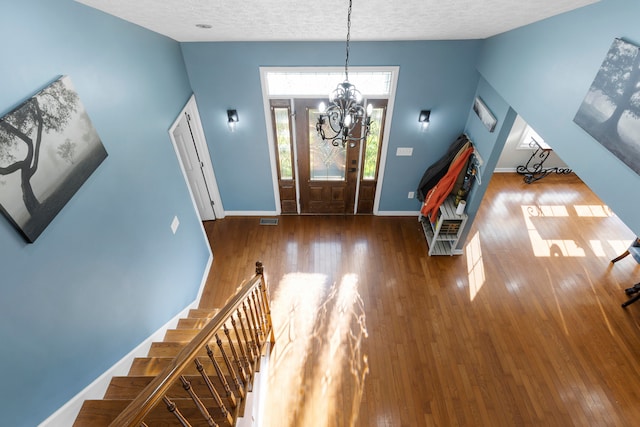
x=504 y=170
x=66 y=415
x=398 y=213
x=203 y=283
x=251 y=213
x=273 y=213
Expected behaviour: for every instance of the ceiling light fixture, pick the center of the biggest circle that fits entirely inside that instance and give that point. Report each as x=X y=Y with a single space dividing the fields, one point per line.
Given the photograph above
x=345 y=111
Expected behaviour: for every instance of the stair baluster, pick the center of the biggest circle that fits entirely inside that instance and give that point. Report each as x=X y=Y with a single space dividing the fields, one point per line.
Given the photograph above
x=256 y=325
x=259 y=314
x=203 y=410
x=252 y=324
x=227 y=388
x=236 y=359
x=243 y=353
x=248 y=343
x=214 y=393
x=232 y=371
x=267 y=308
x=175 y=411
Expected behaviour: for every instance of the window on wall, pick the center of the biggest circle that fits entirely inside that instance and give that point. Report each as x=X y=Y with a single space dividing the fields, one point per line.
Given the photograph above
x=319 y=83
x=529 y=139
x=281 y=116
x=372 y=145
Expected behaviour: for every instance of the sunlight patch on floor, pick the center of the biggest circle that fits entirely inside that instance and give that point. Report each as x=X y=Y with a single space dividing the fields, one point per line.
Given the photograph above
x=341 y=329
x=475 y=266
x=294 y=310
x=620 y=246
x=567 y=248
x=549 y=247
x=597 y=248
x=593 y=211
x=318 y=368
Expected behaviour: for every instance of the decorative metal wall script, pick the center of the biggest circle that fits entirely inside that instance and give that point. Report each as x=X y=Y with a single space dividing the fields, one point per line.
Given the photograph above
x=48 y=149
x=610 y=111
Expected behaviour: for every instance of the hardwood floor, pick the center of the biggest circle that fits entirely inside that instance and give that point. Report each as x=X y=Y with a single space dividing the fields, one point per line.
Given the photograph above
x=524 y=329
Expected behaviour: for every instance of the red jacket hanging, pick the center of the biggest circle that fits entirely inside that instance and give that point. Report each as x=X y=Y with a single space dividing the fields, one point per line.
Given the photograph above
x=437 y=195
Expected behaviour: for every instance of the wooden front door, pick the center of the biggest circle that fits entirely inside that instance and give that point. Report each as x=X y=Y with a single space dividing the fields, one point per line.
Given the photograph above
x=328 y=174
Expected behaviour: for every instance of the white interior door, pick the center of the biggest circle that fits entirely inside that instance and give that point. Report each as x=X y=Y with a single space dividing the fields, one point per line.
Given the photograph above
x=188 y=139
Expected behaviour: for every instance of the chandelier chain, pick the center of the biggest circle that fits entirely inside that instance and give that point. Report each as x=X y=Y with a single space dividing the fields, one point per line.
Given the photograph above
x=346 y=62
x=345 y=112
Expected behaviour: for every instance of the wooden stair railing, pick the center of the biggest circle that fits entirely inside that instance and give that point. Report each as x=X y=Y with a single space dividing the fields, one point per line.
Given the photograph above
x=235 y=363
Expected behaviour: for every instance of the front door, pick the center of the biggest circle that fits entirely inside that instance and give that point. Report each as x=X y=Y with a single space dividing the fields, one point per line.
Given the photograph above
x=328 y=174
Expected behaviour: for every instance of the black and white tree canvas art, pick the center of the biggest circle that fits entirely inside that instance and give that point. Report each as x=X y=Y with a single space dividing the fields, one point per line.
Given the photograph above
x=610 y=111
x=48 y=149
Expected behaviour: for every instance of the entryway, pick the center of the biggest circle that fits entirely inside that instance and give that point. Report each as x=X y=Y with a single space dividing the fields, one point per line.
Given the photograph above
x=313 y=175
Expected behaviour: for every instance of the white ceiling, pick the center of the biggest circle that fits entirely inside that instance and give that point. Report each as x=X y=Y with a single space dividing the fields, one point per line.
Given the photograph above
x=326 y=20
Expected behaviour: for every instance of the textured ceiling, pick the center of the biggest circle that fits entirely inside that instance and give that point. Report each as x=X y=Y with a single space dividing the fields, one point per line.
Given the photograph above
x=300 y=20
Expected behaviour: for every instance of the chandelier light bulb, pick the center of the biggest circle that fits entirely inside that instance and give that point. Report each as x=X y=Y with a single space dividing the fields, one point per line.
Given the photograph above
x=347 y=120
x=322 y=108
x=369 y=109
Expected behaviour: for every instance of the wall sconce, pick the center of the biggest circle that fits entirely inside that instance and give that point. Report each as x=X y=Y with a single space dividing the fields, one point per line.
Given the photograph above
x=423 y=119
x=232 y=119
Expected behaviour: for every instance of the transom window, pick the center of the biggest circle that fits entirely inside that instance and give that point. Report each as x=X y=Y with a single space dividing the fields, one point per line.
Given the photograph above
x=318 y=83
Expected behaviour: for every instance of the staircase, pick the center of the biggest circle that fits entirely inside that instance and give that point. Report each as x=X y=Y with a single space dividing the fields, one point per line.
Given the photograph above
x=199 y=375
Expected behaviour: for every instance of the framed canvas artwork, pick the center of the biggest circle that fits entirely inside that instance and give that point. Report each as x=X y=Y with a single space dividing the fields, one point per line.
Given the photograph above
x=486 y=117
x=610 y=112
x=48 y=149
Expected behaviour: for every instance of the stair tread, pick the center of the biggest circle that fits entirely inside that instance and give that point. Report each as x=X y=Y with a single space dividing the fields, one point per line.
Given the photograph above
x=152 y=366
x=186 y=335
x=129 y=387
x=122 y=389
x=203 y=313
x=172 y=348
x=100 y=413
x=192 y=323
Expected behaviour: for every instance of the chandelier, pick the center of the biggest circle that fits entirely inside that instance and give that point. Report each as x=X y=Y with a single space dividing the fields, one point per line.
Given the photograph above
x=345 y=111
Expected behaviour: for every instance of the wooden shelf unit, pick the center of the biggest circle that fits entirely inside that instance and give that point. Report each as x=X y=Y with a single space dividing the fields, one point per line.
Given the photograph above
x=442 y=234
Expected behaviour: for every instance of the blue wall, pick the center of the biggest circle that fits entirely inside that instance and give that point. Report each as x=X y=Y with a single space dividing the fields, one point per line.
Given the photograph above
x=436 y=75
x=544 y=71
x=489 y=146
x=107 y=272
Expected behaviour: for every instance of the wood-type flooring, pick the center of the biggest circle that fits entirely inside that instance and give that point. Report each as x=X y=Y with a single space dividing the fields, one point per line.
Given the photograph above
x=524 y=329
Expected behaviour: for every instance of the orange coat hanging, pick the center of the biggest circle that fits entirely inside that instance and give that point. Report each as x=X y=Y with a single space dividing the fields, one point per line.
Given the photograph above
x=437 y=195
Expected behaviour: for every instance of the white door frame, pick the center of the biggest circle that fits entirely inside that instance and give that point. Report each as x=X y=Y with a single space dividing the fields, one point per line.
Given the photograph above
x=395 y=71
x=191 y=108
